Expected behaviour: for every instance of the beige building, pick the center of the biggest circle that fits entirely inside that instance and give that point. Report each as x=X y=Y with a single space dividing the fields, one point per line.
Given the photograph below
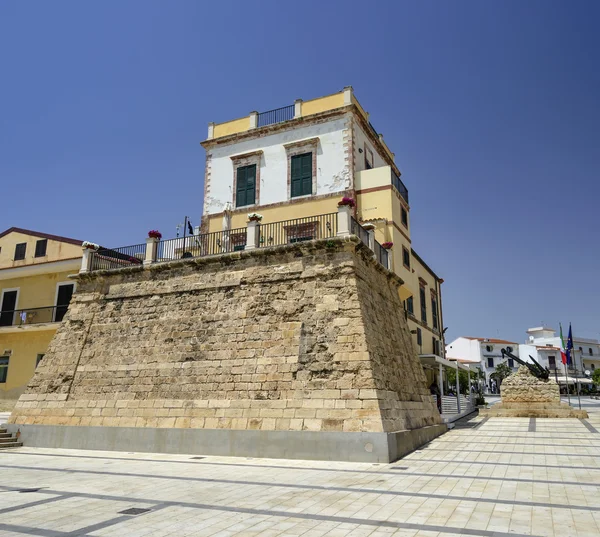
x=294 y=164
x=35 y=291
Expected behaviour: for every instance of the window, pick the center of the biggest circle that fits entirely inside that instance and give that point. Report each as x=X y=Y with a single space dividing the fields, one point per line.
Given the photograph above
x=423 y=305
x=301 y=175
x=20 y=251
x=490 y=362
x=40 y=247
x=489 y=348
x=591 y=351
x=419 y=337
x=593 y=367
x=404 y=217
x=38 y=359
x=410 y=305
x=434 y=312
x=368 y=158
x=245 y=189
x=580 y=349
x=552 y=362
x=3 y=369
x=405 y=257
x=511 y=363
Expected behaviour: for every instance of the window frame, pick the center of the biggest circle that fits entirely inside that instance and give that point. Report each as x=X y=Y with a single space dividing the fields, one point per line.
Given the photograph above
x=419 y=337
x=368 y=165
x=405 y=256
x=236 y=193
x=434 y=312
x=39 y=358
x=297 y=149
x=56 y=305
x=241 y=161
x=24 y=244
x=490 y=361
x=37 y=244
x=4 y=369
x=423 y=303
x=411 y=309
x=404 y=216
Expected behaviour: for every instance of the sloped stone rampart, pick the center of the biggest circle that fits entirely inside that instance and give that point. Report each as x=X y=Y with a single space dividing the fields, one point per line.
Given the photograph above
x=306 y=337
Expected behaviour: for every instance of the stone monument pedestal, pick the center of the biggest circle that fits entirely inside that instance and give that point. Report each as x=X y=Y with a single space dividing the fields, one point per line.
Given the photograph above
x=526 y=396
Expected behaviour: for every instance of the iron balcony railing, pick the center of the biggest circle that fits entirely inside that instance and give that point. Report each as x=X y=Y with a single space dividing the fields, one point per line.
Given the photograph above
x=359 y=231
x=111 y=258
x=21 y=317
x=219 y=242
x=381 y=254
x=323 y=226
x=276 y=116
x=399 y=185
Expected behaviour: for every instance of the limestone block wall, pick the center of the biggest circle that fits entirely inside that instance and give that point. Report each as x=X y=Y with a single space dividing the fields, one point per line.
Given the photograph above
x=310 y=336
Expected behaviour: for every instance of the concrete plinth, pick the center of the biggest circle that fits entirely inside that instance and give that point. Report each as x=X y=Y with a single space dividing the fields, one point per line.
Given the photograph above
x=308 y=445
x=526 y=396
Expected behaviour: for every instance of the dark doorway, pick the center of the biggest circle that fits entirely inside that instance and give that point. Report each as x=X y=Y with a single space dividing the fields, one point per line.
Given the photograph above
x=9 y=303
x=65 y=292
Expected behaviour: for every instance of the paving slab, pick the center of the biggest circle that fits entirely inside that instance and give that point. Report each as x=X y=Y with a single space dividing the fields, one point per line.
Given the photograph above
x=495 y=477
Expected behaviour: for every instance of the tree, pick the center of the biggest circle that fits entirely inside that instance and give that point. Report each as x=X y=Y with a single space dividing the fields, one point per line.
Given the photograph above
x=596 y=377
x=463 y=380
x=502 y=371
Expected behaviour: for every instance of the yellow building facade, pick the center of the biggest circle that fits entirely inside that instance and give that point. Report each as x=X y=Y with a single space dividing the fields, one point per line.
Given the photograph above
x=297 y=162
x=35 y=291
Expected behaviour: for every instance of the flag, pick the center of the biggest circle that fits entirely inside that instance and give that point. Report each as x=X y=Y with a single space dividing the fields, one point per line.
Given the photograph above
x=570 y=346
x=563 y=354
x=190 y=228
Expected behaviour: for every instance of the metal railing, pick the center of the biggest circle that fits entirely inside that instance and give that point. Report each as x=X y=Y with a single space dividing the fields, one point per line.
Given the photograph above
x=276 y=116
x=359 y=231
x=322 y=226
x=111 y=258
x=47 y=314
x=381 y=254
x=399 y=185
x=218 y=242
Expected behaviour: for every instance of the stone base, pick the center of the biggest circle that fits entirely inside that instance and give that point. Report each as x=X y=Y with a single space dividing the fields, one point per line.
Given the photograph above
x=532 y=410
x=309 y=445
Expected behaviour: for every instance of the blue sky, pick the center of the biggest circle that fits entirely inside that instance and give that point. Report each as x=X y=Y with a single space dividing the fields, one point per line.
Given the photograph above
x=491 y=108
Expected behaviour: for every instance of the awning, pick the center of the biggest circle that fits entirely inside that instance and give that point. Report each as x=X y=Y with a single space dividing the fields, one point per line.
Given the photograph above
x=433 y=360
x=571 y=380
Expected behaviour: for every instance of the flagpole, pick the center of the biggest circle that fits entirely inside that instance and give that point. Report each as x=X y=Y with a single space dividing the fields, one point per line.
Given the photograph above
x=567 y=380
x=184 y=230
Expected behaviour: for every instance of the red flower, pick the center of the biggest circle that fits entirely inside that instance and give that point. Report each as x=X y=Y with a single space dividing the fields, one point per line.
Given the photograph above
x=387 y=245
x=154 y=234
x=347 y=201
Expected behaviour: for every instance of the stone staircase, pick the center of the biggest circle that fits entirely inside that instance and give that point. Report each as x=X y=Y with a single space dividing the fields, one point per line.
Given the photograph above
x=8 y=440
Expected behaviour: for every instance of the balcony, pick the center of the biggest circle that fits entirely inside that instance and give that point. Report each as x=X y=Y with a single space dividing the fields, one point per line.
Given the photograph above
x=379 y=177
x=34 y=318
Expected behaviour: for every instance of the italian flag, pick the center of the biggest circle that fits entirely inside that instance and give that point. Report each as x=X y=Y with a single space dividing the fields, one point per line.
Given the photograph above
x=563 y=353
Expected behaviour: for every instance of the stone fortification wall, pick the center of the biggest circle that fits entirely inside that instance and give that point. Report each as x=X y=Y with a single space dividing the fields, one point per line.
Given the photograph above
x=307 y=337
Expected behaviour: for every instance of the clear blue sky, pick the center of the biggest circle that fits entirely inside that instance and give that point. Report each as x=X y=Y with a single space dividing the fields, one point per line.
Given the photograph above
x=492 y=109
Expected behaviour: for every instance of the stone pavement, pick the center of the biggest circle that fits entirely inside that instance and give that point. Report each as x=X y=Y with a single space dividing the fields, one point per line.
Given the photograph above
x=487 y=477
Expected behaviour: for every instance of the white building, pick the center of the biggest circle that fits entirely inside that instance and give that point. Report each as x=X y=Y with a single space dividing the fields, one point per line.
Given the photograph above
x=544 y=345
x=487 y=352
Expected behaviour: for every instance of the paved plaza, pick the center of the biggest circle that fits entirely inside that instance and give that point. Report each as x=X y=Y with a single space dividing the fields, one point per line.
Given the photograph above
x=487 y=477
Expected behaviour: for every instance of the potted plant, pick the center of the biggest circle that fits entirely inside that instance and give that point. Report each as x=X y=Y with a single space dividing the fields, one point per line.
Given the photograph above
x=90 y=245
x=347 y=201
x=154 y=234
x=387 y=245
x=254 y=217
x=368 y=226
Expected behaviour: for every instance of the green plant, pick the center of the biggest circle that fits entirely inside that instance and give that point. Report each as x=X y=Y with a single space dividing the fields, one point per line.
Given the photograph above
x=502 y=371
x=480 y=400
x=596 y=376
x=463 y=380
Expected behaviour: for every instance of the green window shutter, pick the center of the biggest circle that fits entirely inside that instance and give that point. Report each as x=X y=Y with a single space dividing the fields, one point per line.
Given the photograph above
x=246 y=186
x=301 y=175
